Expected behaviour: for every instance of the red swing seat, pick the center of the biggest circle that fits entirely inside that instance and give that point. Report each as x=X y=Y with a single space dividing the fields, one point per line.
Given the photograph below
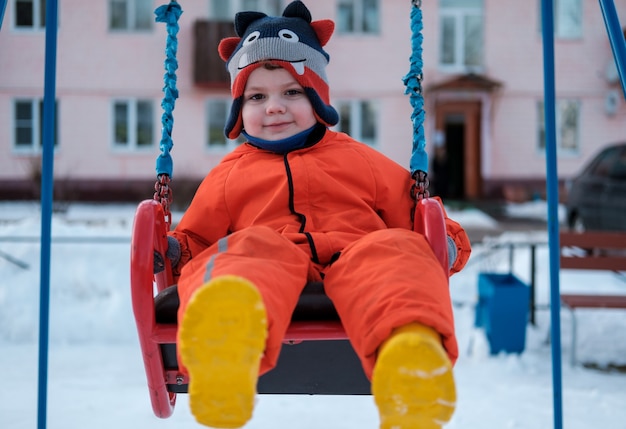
x=320 y=359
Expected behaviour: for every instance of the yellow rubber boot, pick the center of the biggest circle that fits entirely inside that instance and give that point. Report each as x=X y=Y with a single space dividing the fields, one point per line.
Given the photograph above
x=221 y=339
x=412 y=382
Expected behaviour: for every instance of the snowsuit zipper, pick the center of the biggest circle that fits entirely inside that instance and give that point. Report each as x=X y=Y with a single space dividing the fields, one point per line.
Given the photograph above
x=300 y=216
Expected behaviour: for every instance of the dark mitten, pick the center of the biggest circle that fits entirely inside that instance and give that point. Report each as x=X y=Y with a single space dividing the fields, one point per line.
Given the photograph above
x=172 y=253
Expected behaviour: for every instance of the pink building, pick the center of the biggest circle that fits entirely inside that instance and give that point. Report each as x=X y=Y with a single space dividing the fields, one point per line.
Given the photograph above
x=483 y=79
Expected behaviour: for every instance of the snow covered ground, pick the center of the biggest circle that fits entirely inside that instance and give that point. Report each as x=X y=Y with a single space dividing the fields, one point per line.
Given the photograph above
x=96 y=377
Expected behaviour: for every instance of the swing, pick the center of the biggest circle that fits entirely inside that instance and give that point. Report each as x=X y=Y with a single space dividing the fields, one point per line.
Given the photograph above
x=315 y=339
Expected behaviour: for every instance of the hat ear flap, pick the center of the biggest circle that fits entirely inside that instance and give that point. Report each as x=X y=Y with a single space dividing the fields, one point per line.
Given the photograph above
x=323 y=28
x=244 y=19
x=227 y=46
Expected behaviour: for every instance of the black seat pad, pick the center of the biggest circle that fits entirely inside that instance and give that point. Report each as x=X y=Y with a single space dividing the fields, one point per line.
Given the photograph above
x=313 y=305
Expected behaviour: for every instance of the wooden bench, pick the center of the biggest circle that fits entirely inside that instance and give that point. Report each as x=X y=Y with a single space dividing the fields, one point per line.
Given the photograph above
x=592 y=251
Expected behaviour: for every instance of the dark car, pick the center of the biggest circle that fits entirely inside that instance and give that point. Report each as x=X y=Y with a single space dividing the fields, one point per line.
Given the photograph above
x=597 y=196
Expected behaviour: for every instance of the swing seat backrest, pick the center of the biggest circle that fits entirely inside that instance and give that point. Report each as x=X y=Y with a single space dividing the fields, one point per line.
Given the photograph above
x=317 y=357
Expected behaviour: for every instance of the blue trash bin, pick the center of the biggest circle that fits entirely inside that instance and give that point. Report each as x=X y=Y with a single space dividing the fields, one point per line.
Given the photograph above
x=502 y=311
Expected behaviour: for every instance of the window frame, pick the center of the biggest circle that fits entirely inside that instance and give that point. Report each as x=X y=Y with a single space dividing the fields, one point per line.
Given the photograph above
x=355 y=120
x=133 y=118
x=231 y=7
x=228 y=144
x=459 y=15
x=39 y=15
x=131 y=24
x=558 y=20
x=541 y=127
x=360 y=18
x=36 y=126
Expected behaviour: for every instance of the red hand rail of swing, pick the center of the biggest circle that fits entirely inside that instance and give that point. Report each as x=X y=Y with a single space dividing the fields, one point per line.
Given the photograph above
x=430 y=222
x=148 y=227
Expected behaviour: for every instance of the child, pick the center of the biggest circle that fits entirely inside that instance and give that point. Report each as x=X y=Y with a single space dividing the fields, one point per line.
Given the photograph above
x=297 y=203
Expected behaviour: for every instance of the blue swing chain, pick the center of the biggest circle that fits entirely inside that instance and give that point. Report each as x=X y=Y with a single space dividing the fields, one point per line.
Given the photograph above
x=168 y=14
x=413 y=83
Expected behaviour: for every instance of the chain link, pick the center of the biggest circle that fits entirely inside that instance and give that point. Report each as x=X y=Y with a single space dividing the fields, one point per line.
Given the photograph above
x=419 y=190
x=163 y=195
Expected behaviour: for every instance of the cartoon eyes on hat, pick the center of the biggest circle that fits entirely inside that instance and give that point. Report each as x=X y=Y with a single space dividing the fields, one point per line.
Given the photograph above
x=288 y=36
x=251 y=37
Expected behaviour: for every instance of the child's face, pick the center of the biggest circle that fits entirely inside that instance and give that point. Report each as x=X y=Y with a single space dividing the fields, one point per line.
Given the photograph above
x=275 y=105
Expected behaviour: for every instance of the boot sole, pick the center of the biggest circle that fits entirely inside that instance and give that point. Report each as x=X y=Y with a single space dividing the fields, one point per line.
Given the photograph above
x=413 y=384
x=221 y=339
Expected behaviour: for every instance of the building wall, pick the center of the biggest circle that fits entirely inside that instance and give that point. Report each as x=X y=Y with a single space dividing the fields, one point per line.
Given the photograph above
x=96 y=66
x=516 y=58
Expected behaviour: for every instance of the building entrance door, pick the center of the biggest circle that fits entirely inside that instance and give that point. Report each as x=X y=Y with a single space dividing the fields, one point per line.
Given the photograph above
x=456 y=156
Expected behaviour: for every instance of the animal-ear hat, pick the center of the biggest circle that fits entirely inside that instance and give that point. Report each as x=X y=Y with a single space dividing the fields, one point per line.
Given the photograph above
x=291 y=41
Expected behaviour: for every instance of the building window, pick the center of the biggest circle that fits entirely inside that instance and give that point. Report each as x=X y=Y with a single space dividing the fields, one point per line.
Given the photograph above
x=220 y=10
x=133 y=124
x=358 y=119
x=30 y=13
x=567 y=126
x=217 y=113
x=568 y=19
x=358 y=16
x=225 y=10
x=461 y=26
x=28 y=125
x=130 y=15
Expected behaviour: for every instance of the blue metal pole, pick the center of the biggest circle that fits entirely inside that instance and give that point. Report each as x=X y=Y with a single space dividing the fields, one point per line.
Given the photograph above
x=47 y=182
x=616 y=37
x=3 y=5
x=553 y=201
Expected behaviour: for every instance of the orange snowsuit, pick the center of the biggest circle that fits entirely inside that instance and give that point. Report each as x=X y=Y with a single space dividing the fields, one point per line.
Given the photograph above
x=338 y=211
